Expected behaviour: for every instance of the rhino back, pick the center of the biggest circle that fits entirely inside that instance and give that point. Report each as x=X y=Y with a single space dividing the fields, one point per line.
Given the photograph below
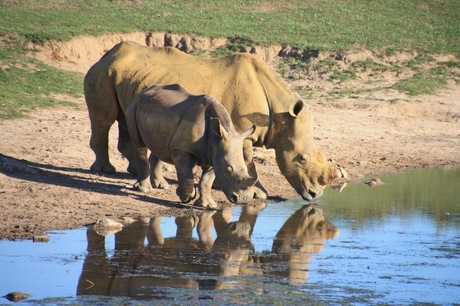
x=170 y=119
x=247 y=87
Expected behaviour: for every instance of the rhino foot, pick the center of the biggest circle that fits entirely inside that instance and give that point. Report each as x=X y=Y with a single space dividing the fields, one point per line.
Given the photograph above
x=137 y=186
x=160 y=184
x=188 y=197
x=259 y=193
x=109 y=169
x=209 y=203
x=132 y=168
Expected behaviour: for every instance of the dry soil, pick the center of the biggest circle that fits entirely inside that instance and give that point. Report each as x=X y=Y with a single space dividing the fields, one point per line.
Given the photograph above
x=45 y=182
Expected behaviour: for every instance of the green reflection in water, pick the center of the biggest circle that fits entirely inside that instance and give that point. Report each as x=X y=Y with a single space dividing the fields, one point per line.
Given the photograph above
x=433 y=192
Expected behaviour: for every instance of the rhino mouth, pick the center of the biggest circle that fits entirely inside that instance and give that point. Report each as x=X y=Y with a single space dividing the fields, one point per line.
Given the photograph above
x=311 y=194
x=239 y=198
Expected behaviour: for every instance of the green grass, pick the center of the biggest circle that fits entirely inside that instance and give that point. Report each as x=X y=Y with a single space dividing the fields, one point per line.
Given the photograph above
x=427 y=27
x=431 y=26
x=27 y=84
x=426 y=82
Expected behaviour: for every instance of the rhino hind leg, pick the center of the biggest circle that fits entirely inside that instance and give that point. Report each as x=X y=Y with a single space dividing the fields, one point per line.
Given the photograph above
x=156 y=173
x=99 y=143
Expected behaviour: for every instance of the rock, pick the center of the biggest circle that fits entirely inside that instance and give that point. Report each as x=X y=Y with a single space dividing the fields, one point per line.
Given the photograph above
x=374 y=182
x=16 y=296
x=41 y=238
x=105 y=227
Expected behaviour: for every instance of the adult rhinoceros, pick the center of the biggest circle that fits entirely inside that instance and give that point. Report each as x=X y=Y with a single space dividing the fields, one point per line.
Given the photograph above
x=251 y=92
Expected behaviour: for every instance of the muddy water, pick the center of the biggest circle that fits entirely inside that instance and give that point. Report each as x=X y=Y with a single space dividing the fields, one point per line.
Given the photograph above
x=397 y=243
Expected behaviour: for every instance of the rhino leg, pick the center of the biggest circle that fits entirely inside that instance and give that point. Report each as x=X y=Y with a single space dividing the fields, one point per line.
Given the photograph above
x=204 y=187
x=184 y=164
x=259 y=191
x=143 y=175
x=156 y=173
x=205 y=224
x=154 y=234
x=125 y=145
x=99 y=143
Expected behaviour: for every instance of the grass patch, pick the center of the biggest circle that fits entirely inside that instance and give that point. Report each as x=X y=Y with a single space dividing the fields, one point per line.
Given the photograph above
x=395 y=25
x=343 y=75
x=27 y=84
x=391 y=25
x=426 y=82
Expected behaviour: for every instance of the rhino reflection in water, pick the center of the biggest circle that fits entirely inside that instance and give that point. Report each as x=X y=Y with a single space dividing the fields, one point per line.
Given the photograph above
x=139 y=269
x=301 y=237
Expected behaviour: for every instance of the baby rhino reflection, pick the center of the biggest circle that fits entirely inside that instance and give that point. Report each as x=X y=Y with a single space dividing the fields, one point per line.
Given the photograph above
x=234 y=244
x=301 y=237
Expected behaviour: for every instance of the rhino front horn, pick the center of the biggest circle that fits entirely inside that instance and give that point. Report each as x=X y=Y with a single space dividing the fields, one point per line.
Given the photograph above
x=343 y=173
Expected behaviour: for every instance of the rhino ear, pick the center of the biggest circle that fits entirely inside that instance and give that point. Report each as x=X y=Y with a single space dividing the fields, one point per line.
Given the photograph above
x=249 y=132
x=218 y=129
x=295 y=108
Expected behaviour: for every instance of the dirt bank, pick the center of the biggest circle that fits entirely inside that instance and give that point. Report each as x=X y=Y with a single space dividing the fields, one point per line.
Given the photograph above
x=44 y=160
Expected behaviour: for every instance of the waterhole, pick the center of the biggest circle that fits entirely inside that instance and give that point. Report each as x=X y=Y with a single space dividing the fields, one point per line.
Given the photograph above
x=393 y=243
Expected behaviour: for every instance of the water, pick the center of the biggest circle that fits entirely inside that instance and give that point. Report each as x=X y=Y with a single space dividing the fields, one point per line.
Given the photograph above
x=398 y=243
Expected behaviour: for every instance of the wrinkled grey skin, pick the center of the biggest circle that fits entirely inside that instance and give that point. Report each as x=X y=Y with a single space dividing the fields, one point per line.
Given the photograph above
x=188 y=130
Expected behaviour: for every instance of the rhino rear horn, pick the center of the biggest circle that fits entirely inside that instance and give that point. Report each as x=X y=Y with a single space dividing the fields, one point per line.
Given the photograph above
x=250 y=181
x=249 y=132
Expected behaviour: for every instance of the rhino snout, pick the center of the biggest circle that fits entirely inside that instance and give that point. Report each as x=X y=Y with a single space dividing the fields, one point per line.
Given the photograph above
x=240 y=197
x=312 y=194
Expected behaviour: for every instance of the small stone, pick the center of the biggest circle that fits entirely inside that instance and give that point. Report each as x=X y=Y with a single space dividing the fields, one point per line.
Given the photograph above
x=374 y=182
x=41 y=238
x=16 y=296
x=105 y=227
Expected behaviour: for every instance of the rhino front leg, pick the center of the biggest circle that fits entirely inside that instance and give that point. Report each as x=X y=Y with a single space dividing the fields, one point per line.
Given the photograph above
x=184 y=164
x=205 y=186
x=259 y=191
x=154 y=234
x=156 y=173
x=205 y=224
x=143 y=175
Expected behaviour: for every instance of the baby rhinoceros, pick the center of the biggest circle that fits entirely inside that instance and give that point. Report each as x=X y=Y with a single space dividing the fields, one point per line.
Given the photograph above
x=187 y=130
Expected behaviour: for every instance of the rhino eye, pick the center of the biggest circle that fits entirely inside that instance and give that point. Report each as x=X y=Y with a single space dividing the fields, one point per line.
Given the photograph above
x=303 y=158
x=229 y=170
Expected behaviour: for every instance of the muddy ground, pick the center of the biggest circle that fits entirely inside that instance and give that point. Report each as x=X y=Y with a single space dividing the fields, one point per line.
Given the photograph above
x=45 y=182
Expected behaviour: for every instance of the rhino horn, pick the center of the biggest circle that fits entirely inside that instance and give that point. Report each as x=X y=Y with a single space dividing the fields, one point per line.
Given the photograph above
x=334 y=173
x=250 y=181
x=248 y=133
x=343 y=173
